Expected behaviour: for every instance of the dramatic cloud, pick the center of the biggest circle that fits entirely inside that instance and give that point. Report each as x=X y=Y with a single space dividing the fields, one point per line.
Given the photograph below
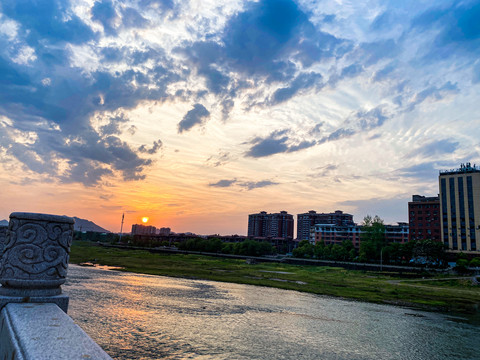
x=289 y=89
x=196 y=116
x=277 y=142
x=274 y=144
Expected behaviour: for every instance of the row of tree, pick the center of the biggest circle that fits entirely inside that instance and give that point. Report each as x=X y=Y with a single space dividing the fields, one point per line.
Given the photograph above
x=374 y=248
x=247 y=247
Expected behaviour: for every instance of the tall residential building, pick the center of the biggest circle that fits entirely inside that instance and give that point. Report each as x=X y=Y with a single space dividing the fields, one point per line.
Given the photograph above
x=424 y=218
x=277 y=225
x=307 y=220
x=460 y=208
x=138 y=229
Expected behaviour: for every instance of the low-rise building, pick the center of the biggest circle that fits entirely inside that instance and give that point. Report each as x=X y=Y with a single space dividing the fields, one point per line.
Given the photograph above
x=397 y=233
x=335 y=234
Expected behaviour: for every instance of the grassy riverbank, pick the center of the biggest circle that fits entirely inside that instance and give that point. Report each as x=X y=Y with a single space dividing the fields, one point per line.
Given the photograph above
x=457 y=295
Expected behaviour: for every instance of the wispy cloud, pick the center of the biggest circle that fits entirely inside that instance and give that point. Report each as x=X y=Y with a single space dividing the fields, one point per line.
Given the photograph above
x=249 y=185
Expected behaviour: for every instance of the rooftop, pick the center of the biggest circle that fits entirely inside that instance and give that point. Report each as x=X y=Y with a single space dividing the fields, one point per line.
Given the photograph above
x=464 y=168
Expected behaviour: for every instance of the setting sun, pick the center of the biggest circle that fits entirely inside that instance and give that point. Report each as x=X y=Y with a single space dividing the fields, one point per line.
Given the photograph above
x=145 y=220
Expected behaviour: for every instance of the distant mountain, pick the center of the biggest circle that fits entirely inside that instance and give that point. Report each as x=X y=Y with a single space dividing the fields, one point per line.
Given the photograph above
x=87 y=225
x=80 y=225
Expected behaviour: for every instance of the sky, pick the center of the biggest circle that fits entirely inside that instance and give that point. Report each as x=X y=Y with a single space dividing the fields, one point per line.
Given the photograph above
x=198 y=113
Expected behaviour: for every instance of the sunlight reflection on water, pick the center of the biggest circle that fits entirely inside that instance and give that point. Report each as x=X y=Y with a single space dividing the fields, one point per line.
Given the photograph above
x=136 y=316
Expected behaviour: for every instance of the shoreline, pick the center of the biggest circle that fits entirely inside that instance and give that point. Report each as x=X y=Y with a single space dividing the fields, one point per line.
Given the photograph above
x=443 y=294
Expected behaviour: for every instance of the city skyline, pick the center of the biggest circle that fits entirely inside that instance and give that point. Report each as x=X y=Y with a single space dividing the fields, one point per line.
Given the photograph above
x=195 y=114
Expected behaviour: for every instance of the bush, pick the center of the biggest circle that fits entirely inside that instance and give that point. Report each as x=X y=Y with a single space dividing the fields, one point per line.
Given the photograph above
x=461 y=266
x=475 y=262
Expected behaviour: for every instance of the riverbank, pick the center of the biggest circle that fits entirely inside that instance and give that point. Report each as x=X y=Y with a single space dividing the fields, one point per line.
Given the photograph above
x=442 y=294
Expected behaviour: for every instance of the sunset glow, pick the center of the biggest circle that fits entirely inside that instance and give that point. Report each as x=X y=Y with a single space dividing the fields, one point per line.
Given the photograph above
x=173 y=109
x=145 y=220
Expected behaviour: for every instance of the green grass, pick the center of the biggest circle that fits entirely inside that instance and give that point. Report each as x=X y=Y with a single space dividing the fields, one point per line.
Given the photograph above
x=444 y=295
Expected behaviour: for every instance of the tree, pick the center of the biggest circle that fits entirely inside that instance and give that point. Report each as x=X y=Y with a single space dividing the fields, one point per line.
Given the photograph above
x=304 y=250
x=432 y=251
x=372 y=238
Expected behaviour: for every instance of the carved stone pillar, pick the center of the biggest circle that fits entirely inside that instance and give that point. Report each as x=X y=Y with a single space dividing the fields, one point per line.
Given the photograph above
x=35 y=258
x=3 y=238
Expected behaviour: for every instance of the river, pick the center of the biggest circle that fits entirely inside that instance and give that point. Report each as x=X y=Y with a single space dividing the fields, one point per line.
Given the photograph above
x=135 y=316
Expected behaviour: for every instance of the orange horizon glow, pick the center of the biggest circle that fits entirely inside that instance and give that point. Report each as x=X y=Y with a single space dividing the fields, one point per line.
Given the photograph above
x=145 y=219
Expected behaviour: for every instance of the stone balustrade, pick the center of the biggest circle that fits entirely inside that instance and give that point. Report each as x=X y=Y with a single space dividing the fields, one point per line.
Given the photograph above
x=34 y=325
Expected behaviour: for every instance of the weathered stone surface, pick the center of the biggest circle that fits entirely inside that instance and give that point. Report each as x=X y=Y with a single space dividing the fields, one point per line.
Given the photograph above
x=41 y=332
x=3 y=238
x=60 y=300
x=35 y=255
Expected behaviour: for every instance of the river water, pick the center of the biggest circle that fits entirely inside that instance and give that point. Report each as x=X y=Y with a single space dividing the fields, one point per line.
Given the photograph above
x=134 y=316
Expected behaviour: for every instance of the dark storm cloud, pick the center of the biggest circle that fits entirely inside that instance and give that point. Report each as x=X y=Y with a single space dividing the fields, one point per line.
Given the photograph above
x=196 y=116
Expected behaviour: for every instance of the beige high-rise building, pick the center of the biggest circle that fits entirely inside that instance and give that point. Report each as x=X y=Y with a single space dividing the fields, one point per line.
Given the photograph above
x=460 y=208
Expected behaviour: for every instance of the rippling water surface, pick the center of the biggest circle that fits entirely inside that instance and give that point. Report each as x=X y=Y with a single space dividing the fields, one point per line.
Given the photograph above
x=135 y=316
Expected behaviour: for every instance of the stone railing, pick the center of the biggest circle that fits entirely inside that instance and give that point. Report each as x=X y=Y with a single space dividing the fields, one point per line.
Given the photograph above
x=34 y=324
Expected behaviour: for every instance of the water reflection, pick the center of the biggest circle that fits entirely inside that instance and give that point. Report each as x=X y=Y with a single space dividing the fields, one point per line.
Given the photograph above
x=150 y=317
